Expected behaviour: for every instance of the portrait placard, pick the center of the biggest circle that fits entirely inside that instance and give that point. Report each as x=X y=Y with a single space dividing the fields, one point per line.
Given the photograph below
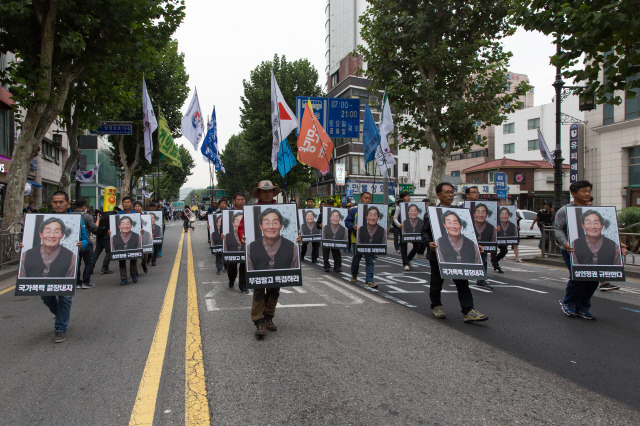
x=273 y=256
x=507 y=225
x=334 y=232
x=48 y=262
x=457 y=251
x=412 y=219
x=309 y=231
x=126 y=241
x=215 y=229
x=371 y=235
x=147 y=234
x=156 y=226
x=593 y=234
x=233 y=251
x=485 y=218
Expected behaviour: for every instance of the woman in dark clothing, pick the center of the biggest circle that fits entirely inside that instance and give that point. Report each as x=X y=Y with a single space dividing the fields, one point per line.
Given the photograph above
x=485 y=232
x=333 y=230
x=455 y=247
x=308 y=227
x=593 y=248
x=125 y=239
x=506 y=228
x=372 y=232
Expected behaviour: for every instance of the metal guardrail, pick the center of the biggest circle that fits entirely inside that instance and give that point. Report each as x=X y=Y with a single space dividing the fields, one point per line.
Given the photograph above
x=10 y=245
x=551 y=248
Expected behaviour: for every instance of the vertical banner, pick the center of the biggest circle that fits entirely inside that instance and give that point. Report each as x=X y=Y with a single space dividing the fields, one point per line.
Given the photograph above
x=507 y=225
x=147 y=233
x=334 y=232
x=215 y=229
x=309 y=231
x=156 y=225
x=573 y=153
x=340 y=174
x=371 y=235
x=485 y=220
x=109 y=201
x=273 y=258
x=126 y=241
x=411 y=218
x=232 y=248
x=457 y=251
x=51 y=237
x=593 y=234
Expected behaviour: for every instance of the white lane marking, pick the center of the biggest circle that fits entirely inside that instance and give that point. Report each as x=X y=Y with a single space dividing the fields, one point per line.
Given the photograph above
x=523 y=288
x=354 y=299
x=358 y=290
x=300 y=305
x=285 y=291
x=484 y=290
x=497 y=282
x=210 y=294
x=399 y=290
x=299 y=289
x=208 y=282
x=211 y=305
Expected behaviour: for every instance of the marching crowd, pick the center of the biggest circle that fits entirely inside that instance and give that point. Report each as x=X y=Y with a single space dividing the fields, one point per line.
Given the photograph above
x=576 y=302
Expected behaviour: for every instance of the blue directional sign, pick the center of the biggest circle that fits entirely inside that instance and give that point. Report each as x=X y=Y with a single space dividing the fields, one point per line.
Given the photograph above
x=339 y=117
x=500 y=180
x=501 y=193
x=114 y=128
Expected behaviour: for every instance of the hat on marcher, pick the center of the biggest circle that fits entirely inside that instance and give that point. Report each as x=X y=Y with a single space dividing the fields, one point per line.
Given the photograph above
x=330 y=202
x=265 y=185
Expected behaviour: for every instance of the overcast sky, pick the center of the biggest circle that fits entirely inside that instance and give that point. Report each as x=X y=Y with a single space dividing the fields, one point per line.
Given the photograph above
x=224 y=41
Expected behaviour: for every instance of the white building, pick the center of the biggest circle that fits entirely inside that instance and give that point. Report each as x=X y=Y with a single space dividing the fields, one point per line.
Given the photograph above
x=612 y=152
x=342 y=33
x=414 y=167
x=517 y=138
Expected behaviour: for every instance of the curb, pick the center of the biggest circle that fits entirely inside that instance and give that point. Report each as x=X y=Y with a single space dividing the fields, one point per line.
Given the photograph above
x=628 y=273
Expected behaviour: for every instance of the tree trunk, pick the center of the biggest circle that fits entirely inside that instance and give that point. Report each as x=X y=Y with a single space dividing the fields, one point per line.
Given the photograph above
x=128 y=170
x=74 y=152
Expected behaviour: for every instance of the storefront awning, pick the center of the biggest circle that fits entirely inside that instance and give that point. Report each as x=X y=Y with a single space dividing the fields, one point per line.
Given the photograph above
x=5 y=97
x=34 y=184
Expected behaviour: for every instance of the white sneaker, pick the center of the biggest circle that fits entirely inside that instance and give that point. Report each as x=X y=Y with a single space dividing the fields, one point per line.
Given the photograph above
x=410 y=264
x=407 y=267
x=519 y=260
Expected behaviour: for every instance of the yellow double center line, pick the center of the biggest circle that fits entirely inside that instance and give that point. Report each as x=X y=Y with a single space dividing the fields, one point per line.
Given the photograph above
x=196 y=404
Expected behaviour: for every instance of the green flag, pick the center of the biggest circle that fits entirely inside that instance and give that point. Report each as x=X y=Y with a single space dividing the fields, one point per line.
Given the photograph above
x=166 y=144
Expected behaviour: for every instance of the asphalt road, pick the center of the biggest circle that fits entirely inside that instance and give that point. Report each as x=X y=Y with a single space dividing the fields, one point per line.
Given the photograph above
x=343 y=354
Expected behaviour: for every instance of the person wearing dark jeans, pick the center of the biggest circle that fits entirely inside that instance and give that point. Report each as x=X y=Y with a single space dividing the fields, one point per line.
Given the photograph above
x=396 y=238
x=102 y=243
x=85 y=256
x=497 y=257
x=315 y=250
x=232 y=272
x=337 y=259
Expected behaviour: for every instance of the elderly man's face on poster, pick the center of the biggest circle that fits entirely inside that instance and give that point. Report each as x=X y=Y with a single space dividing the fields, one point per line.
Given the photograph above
x=309 y=217
x=504 y=215
x=335 y=218
x=452 y=225
x=372 y=217
x=480 y=214
x=413 y=212
x=125 y=225
x=51 y=235
x=592 y=226
x=271 y=226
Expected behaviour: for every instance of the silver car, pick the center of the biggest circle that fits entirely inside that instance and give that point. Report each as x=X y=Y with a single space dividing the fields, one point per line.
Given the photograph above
x=527 y=217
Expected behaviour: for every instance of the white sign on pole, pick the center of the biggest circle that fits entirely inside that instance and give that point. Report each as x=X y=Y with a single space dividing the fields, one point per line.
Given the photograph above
x=340 y=174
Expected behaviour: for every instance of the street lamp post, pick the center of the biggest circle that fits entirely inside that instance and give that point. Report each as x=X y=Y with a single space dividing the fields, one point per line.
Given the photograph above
x=557 y=176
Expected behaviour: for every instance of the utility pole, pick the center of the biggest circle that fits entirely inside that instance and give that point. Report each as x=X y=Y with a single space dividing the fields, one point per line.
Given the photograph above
x=557 y=175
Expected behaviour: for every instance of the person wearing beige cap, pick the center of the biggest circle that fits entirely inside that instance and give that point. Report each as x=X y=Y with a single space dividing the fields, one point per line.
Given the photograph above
x=264 y=303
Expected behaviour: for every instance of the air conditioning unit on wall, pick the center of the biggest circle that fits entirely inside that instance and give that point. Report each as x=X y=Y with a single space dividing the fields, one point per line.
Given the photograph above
x=404 y=179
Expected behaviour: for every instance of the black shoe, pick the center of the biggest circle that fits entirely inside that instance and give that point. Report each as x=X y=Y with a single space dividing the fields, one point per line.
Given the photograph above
x=261 y=330
x=231 y=284
x=153 y=263
x=123 y=281
x=484 y=284
x=338 y=270
x=498 y=269
x=106 y=271
x=327 y=269
x=134 y=278
x=269 y=325
x=145 y=269
x=59 y=336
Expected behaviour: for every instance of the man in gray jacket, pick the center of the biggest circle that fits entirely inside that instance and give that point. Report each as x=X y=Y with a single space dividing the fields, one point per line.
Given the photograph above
x=87 y=254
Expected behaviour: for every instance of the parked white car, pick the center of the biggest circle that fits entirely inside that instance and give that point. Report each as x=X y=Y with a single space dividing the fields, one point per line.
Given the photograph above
x=528 y=217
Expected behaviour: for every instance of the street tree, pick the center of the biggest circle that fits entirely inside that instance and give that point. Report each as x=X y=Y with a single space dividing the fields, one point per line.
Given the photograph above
x=240 y=177
x=173 y=177
x=443 y=67
x=54 y=41
x=594 y=36
x=297 y=78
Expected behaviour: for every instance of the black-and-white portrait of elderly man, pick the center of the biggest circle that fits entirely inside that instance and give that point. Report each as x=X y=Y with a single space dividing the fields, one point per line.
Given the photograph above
x=50 y=259
x=271 y=250
x=412 y=224
x=125 y=238
x=454 y=247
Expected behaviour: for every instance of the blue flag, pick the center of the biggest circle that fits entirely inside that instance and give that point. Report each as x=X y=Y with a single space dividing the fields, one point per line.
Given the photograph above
x=286 y=159
x=217 y=162
x=207 y=145
x=370 y=135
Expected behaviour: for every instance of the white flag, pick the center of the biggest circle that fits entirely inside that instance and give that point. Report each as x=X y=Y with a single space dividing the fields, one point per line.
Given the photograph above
x=384 y=156
x=192 y=123
x=283 y=120
x=544 y=149
x=149 y=121
x=89 y=176
x=147 y=194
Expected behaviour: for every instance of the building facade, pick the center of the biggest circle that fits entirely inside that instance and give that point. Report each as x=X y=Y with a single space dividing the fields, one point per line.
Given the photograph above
x=342 y=35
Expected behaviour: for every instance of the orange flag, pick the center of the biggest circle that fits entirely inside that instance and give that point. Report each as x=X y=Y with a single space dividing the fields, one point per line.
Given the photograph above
x=314 y=145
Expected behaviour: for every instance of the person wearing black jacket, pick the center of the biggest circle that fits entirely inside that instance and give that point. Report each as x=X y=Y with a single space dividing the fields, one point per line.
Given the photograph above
x=333 y=231
x=308 y=227
x=445 y=193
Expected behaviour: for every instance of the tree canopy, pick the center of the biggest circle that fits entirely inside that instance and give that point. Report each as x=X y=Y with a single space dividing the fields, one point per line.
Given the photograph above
x=603 y=34
x=250 y=152
x=443 y=66
x=173 y=177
